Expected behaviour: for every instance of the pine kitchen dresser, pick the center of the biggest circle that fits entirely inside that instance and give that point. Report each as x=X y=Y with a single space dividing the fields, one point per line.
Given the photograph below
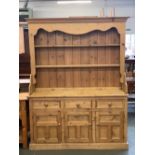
x=78 y=91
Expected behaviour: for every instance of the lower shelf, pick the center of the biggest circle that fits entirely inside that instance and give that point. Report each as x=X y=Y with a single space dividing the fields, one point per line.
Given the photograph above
x=85 y=146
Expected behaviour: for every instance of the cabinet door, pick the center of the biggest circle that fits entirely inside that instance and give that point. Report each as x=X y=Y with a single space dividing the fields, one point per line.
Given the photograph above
x=47 y=127
x=78 y=127
x=109 y=126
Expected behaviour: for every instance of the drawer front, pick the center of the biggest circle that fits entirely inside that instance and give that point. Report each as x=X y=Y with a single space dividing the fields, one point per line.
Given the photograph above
x=78 y=104
x=109 y=104
x=46 y=104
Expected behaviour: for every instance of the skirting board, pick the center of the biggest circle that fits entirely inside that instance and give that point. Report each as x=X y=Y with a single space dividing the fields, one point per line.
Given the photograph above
x=95 y=146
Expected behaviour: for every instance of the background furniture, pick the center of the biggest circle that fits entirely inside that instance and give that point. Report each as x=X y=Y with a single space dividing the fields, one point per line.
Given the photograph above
x=130 y=74
x=23 y=136
x=130 y=77
x=24 y=80
x=24 y=53
x=78 y=91
x=21 y=39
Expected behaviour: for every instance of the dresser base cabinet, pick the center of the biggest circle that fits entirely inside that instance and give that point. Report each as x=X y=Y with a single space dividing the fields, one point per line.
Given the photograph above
x=78 y=123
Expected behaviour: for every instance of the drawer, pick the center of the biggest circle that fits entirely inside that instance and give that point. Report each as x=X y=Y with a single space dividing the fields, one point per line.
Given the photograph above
x=46 y=104
x=77 y=104
x=109 y=104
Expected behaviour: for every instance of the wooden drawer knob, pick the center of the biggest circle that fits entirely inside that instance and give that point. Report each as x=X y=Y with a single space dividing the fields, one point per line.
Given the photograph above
x=46 y=105
x=109 y=104
x=78 y=105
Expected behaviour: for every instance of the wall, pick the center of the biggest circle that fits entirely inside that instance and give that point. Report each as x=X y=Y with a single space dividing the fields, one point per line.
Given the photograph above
x=48 y=9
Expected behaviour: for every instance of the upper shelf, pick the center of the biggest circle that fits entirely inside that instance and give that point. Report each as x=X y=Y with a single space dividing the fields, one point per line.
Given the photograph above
x=78 y=66
x=93 y=45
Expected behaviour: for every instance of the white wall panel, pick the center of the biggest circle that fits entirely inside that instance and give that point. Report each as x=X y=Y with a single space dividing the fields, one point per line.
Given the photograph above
x=52 y=9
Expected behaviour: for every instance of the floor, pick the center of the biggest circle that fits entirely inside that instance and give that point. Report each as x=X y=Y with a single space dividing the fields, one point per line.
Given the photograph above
x=130 y=151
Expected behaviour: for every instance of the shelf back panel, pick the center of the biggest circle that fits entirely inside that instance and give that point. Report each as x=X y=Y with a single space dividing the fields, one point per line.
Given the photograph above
x=77 y=54
x=85 y=77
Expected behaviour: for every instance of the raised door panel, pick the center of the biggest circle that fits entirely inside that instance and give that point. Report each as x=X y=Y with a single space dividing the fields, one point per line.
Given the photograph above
x=109 y=127
x=102 y=133
x=78 y=127
x=116 y=133
x=47 y=127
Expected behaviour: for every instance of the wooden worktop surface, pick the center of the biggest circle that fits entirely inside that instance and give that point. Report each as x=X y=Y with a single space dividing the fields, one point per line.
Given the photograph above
x=77 y=92
x=23 y=96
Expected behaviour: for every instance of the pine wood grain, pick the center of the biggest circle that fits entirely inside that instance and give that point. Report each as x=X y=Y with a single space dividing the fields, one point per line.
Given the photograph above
x=79 y=100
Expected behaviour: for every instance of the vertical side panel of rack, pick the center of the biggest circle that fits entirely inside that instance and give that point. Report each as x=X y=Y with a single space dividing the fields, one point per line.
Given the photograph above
x=32 y=52
x=122 y=52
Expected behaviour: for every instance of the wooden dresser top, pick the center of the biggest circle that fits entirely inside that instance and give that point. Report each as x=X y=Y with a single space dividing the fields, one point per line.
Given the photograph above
x=77 y=19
